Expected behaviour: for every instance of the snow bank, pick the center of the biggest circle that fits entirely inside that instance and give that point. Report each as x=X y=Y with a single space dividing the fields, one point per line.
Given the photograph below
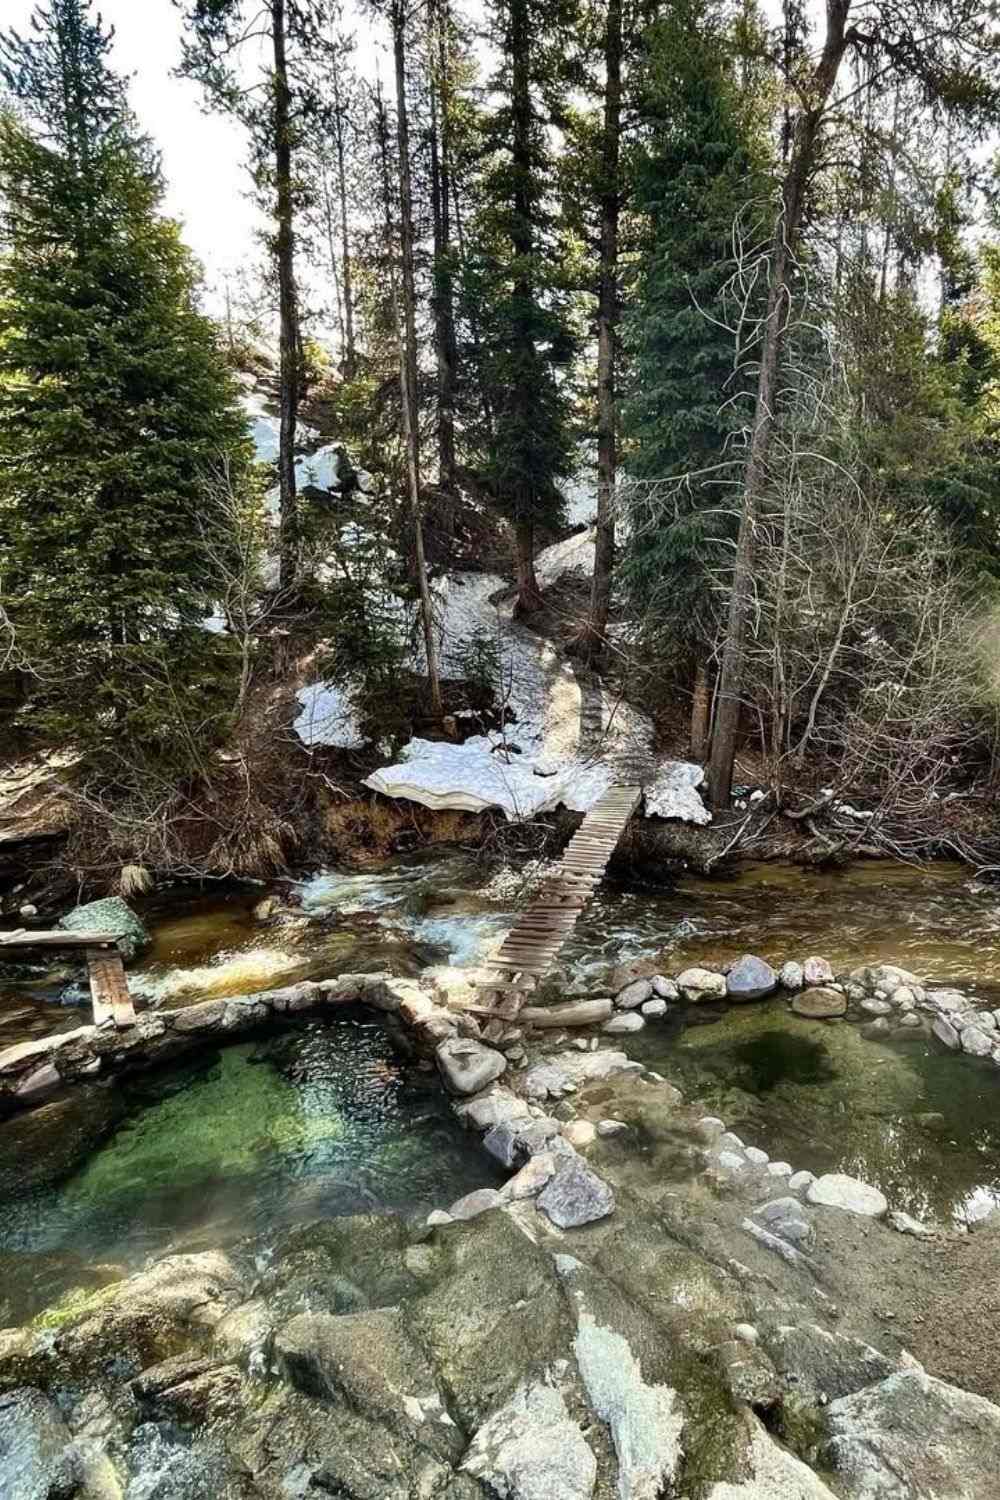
x=574 y=555
x=328 y=717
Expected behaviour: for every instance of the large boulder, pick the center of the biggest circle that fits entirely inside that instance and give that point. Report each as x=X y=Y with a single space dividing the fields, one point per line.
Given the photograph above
x=912 y=1436
x=823 y=1366
x=750 y=978
x=467 y=1066
x=112 y=914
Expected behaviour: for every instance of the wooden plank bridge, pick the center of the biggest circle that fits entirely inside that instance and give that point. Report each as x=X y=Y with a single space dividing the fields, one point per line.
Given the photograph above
x=539 y=933
x=108 y=986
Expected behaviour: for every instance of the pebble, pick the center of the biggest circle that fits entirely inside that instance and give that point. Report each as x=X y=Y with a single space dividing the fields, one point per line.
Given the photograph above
x=611 y=1127
x=779 y=1168
x=653 y=1008
x=579 y=1133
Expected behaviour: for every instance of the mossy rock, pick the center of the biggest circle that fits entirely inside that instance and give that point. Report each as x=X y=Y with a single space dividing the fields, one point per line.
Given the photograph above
x=111 y=914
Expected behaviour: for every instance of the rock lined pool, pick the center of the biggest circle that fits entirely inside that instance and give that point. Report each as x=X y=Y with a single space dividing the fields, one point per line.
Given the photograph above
x=916 y=1121
x=324 y=1120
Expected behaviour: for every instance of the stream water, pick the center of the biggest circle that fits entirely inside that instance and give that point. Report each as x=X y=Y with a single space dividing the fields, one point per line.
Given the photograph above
x=327 y=1119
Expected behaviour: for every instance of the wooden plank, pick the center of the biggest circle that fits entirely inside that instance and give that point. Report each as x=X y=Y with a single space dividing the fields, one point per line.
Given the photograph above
x=23 y=939
x=109 y=988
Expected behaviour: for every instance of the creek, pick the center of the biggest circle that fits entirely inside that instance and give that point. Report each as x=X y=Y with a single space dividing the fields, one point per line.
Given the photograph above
x=328 y=1119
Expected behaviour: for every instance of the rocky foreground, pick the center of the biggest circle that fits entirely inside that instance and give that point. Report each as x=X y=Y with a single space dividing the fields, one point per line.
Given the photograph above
x=648 y=1308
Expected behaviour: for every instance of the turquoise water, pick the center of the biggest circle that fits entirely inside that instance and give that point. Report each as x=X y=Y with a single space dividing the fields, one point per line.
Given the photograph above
x=324 y=1120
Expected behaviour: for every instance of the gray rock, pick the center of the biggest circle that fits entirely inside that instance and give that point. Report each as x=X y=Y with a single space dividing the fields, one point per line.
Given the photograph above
x=504 y=1143
x=799 y=1181
x=475 y=1203
x=837 y=1190
x=626 y=1021
x=111 y=914
x=546 y=1081
x=634 y=994
x=652 y=1009
x=976 y=1042
x=824 y=1365
x=576 y=1195
x=531 y=1449
x=890 y=978
x=817 y=971
x=779 y=1169
x=750 y=978
x=605 y=1063
x=772 y=1473
x=467 y=1066
x=611 y=1127
x=914 y=1436
x=437 y=1219
x=533 y=1176
x=876 y=1007
x=490 y=1109
x=944 y=1001
x=910 y=1020
x=731 y=1161
x=819 y=1003
x=791 y=976
x=945 y=1032
x=664 y=987
x=701 y=984
x=37 y=1459
x=785 y=1216
x=756 y=1157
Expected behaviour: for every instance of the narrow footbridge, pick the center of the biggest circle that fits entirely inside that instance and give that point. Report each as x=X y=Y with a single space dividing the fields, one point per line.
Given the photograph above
x=539 y=933
x=109 y=990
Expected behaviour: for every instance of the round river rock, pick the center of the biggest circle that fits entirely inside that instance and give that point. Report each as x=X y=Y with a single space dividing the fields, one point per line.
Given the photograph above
x=819 y=1004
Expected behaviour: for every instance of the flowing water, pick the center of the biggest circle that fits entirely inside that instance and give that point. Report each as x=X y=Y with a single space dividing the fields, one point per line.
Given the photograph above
x=326 y=1119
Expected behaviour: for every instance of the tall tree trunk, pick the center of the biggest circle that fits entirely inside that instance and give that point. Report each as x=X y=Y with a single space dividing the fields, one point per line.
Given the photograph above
x=593 y=641
x=529 y=596
x=288 y=306
x=800 y=164
x=350 y=360
x=443 y=304
x=476 y=339
x=331 y=250
x=701 y=713
x=408 y=360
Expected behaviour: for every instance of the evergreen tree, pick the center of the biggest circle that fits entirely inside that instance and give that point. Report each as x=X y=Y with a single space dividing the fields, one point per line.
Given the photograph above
x=513 y=276
x=696 y=172
x=114 y=399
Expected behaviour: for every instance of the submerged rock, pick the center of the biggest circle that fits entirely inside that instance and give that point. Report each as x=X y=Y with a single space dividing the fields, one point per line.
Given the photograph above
x=819 y=1004
x=112 y=914
x=750 y=978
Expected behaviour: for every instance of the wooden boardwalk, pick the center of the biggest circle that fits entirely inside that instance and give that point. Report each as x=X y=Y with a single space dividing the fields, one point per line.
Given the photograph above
x=109 y=990
x=538 y=934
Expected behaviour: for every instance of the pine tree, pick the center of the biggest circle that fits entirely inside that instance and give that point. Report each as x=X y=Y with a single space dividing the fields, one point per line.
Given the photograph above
x=695 y=172
x=114 y=400
x=513 y=274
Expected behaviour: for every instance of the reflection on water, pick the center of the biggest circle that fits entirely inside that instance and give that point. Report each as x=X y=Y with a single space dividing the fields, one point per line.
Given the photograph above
x=918 y=1122
x=937 y=921
x=322 y=1121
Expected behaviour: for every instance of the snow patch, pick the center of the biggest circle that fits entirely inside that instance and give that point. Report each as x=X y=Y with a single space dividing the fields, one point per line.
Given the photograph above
x=328 y=717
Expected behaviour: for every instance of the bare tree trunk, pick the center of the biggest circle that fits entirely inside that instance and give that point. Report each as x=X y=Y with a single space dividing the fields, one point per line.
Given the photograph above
x=288 y=307
x=701 y=709
x=755 y=480
x=444 y=293
x=350 y=362
x=593 y=640
x=529 y=597
x=408 y=360
x=331 y=250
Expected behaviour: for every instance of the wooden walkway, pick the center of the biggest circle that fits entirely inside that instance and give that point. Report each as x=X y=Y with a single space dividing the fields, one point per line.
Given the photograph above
x=532 y=944
x=108 y=986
